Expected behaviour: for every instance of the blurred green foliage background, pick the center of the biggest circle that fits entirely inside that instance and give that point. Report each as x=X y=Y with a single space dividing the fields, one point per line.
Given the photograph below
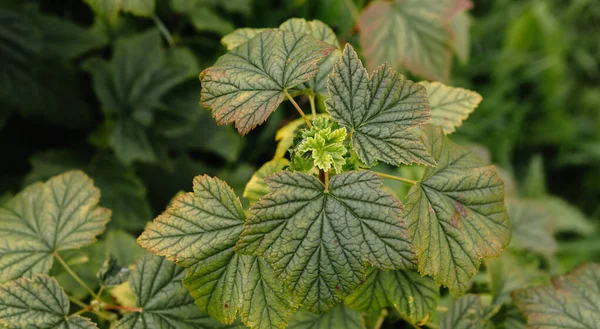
x=113 y=93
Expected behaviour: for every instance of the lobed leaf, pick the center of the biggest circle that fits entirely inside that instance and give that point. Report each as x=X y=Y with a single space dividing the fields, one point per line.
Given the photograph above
x=379 y=111
x=465 y=313
x=164 y=301
x=413 y=296
x=456 y=213
x=248 y=83
x=318 y=239
x=257 y=187
x=199 y=231
x=572 y=302
x=338 y=317
x=37 y=302
x=450 y=106
x=412 y=34
x=45 y=218
x=532 y=226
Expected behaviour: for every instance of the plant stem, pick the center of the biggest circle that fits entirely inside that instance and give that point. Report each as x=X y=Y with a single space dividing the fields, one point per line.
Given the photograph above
x=81 y=311
x=311 y=100
x=379 y=323
x=73 y=274
x=400 y=179
x=326 y=174
x=163 y=29
x=298 y=109
x=123 y=308
x=77 y=302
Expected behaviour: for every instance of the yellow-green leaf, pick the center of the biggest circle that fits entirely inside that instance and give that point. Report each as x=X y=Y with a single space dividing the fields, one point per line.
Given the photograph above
x=450 y=106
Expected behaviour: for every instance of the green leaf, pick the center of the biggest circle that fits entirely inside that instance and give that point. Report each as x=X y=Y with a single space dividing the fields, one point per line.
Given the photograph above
x=318 y=239
x=461 y=38
x=572 y=302
x=465 y=313
x=199 y=231
x=532 y=226
x=285 y=136
x=123 y=247
x=379 y=111
x=410 y=34
x=122 y=191
x=111 y=273
x=338 y=317
x=203 y=15
x=110 y=8
x=131 y=88
x=59 y=214
x=567 y=218
x=450 y=106
x=37 y=302
x=247 y=84
x=240 y=37
x=325 y=146
x=413 y=296
x=67 y=40
x=257 y=187
x=165 y=303
x=456 y=213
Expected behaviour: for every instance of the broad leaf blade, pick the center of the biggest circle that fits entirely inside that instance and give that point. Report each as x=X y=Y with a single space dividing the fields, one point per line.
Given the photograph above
x=47 y=217
x=532 y=226
x=465 y=313
x=257 y=187
x=247 y=84
x=37 y=302
x=379 y=111
x=165 y=302
x=317 y=240
x=410 y=34
x=573 y=302
x=413 y=296
x=450 y=106
x=338 y=317
x=456 y=214
x=199 y=231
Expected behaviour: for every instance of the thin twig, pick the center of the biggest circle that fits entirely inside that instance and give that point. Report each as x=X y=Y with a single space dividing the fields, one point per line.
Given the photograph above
x=123 y=308
x=73 y=274
x=163 y=29
x=379 y=323
x=313 y=109
x=400 y=179
x=298 y=109
x=326 y=175
x=77 y=302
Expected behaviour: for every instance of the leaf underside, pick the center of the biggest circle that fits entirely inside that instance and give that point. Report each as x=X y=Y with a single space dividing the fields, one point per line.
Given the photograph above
x=44 y=218
x=379 y=111
x=465 y=313
x=318 y=241
x=199 y=232
x=248 y=83
x=532 y=226
x=572 y=302
x=456 y=213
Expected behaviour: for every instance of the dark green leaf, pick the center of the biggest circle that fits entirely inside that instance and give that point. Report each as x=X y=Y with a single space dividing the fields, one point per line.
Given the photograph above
x=338 y=317
x=379 y=111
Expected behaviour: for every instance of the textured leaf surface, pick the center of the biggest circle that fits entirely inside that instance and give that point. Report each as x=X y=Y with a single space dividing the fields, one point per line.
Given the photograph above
x=413 y=296
x=456 y=214
x=465 y=313
x=572 y=302
x=339 y=317
x=410 y=34
x=257 y=187
x=165 y=302
x=199 y=231
x=37 y=302
x=532 y=226
x=248 y=83
x=240 y=37
x=450 y=106
x=318 y=240
x=59 y=214
x=379 y=111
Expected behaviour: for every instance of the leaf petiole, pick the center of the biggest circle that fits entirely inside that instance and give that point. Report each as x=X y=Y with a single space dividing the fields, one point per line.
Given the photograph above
x=163 y=29
x=381 y=318
x=123 y=308
x=400 y=179
x=313 y=109
x=298 y=108
x=73 y=274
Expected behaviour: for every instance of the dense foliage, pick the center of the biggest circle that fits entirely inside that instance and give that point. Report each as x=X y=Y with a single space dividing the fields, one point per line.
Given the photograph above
x=388 y=164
